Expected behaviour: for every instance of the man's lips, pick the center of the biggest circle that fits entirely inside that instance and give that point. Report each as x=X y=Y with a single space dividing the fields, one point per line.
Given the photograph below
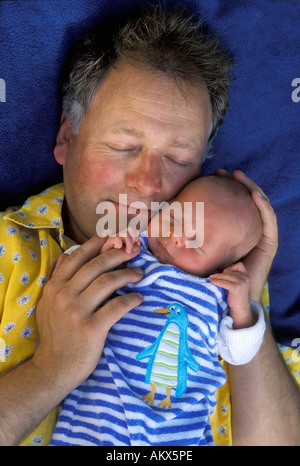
x=132 y=210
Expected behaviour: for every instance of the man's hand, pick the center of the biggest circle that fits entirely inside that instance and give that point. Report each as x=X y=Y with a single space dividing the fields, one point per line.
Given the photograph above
x=265 y=399
x=73 y=320
x=235 y=280
x=258 y=262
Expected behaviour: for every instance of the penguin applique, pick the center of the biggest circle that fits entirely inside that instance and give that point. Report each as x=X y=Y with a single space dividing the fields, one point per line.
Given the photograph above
x=169 y=356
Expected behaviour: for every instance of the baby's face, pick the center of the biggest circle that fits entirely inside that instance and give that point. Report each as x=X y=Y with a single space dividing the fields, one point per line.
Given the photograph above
x=225 y=239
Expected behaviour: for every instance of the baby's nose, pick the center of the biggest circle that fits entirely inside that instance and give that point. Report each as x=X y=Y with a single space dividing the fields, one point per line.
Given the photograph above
x=178 y=241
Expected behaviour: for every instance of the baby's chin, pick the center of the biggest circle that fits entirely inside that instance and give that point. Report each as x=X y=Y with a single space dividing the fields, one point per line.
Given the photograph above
x=156 y=248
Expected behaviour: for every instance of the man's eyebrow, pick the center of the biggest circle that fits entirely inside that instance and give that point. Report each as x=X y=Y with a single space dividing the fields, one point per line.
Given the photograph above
x=182 y=145
x=128 y=131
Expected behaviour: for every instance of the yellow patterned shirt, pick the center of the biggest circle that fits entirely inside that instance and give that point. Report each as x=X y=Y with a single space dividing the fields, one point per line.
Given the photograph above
x=31 y=240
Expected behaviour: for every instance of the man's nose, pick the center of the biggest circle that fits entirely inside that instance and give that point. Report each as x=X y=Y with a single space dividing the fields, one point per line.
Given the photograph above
x=145 y=175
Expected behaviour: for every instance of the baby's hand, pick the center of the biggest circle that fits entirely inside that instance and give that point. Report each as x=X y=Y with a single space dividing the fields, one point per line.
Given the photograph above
x=125 y=237
x=235 y=280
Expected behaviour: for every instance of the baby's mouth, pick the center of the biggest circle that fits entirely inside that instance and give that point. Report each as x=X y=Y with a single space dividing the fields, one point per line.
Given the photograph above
x=163 y=249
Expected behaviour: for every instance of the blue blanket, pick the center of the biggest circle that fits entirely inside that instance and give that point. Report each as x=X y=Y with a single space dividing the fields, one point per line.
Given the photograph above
x=260 y=134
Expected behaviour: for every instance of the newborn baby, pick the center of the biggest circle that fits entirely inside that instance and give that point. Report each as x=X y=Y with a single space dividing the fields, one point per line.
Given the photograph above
x=171 y=343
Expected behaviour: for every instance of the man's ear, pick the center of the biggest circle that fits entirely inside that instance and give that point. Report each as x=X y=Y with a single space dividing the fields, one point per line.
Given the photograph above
x=63 y=139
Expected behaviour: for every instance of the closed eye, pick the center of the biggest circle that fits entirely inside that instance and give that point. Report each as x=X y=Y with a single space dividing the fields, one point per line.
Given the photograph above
x=117 y=149
x=177 y=163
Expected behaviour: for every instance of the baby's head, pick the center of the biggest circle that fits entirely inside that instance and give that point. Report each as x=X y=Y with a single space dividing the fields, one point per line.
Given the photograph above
x=232 y=227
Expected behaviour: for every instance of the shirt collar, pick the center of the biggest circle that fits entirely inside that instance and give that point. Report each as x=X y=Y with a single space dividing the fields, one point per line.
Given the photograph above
x=43 y=210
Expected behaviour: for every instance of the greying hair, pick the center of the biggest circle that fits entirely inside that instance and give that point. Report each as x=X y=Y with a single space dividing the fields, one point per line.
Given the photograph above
x=171 y=42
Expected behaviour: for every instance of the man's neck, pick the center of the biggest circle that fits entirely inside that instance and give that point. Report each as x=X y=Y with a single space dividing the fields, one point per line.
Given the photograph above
x=71 y=229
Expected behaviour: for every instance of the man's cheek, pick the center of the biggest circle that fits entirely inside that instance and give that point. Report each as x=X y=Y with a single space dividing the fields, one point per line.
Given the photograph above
x=104 y=173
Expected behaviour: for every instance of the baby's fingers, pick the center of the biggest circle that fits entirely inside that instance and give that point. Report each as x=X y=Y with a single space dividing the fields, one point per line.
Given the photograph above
x=130 y=242
x=112 y=243
x=129 y=238
x=238 y=267
x=230 y=282
x=231 y=278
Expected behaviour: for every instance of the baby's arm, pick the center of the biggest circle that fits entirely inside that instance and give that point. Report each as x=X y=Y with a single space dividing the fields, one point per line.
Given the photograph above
x=241 y=331
x=125 y=237
x=235 y=280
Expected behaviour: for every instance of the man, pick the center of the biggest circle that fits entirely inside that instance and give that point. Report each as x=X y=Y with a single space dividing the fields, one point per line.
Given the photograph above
x=140 y=109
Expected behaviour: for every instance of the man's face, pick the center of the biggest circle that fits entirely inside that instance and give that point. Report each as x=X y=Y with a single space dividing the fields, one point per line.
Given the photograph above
x=141 y=137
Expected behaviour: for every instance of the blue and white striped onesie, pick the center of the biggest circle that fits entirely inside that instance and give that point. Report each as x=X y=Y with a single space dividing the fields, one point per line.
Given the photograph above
x=168 y=360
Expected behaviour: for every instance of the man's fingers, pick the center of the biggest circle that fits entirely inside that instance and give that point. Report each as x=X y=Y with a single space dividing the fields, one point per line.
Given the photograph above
x=222 y=172
x=99 y=265
x=59 y=262
x=267 y=214
x=78 y=258
x=85 y=271
x=240 y=176
x=105 y=285
x=115 y=309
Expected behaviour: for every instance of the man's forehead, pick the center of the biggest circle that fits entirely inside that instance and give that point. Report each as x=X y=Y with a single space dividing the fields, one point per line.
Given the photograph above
x=125 y=99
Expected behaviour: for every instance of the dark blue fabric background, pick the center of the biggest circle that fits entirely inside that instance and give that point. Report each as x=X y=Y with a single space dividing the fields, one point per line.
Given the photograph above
x=260 y=134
